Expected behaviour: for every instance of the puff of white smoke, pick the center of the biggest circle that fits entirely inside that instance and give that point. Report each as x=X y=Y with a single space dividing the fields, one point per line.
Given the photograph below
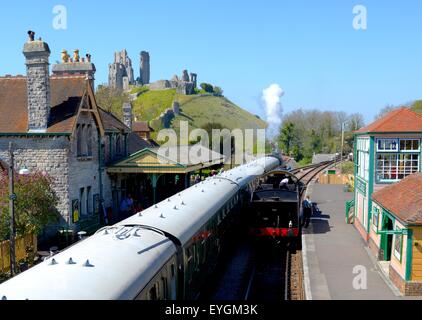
x=273 y=108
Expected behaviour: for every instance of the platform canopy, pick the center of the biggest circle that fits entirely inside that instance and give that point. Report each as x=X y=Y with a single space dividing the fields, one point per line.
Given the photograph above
x=161 y=160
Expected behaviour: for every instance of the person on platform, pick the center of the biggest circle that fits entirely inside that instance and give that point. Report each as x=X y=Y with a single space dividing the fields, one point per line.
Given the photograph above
x=126 y=207
x=307 y=211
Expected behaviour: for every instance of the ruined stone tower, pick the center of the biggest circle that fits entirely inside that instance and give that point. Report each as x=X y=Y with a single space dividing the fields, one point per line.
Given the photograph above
x=37 y=54
x=145 y=68
x=120 y=74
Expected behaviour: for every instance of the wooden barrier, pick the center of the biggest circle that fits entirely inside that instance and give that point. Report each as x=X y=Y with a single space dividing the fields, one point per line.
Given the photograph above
x=24 y=245
x=334 y=179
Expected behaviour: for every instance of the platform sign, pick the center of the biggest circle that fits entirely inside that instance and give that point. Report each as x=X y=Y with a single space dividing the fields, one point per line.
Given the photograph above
x=75 y=211
x=360 y=185
x=331 y=172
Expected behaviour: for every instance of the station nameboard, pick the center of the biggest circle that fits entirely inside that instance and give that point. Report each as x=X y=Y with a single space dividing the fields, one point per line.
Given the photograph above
x=360 y=185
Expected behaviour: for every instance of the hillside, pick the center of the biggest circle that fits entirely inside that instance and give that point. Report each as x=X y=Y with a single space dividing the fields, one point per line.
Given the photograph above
x=198 y=110
x=417 y=106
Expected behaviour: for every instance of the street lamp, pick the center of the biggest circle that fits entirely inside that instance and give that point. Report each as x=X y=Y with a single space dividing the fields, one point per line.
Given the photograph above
x=12 y=198
x=342 y=144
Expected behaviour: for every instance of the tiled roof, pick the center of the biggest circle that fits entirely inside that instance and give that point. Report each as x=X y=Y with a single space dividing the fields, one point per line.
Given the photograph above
x=400 y=120
x=66 y=95
x=141 y=126
x=136 y=143
x=403 y=199
x=319 y=158
x=110 y=122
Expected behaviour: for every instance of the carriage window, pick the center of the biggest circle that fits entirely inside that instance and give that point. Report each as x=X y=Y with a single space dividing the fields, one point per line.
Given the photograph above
x=189 y=253
x=172 y=271
x=153 y=293
x=164 y=284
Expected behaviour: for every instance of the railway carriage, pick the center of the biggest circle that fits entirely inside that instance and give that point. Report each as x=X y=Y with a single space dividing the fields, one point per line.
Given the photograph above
x=166 y=252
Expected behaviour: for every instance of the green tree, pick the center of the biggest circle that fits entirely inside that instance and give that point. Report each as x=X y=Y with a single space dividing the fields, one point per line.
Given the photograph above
x=207 y=87
x=288 y=137
x=35 y=206
x=111 y=99
x=218 y=91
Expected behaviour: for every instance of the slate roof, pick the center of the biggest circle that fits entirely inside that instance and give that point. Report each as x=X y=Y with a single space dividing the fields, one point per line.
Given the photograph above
x=66 y=95
x=319 y=158
x=400 y=120
x=193 y=157
x=110 y=122
x=135 y=143
x=141 y=126
x=403 y=199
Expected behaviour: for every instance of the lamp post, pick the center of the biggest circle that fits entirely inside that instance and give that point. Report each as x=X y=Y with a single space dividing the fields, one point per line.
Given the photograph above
x=12 y=198
x=342 y=143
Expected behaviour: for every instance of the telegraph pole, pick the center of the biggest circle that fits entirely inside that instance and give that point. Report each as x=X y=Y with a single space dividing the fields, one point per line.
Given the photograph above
x=12 y=198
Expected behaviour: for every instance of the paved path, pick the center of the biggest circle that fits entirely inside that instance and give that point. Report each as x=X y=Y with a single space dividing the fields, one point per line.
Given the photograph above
x=332 y=249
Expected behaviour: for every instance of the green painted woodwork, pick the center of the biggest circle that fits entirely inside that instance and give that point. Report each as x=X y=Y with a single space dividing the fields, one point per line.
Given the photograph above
x=409 y=253
x=371 y=179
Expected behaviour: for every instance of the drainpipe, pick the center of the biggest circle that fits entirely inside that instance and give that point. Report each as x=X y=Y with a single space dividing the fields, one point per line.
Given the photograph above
x=100 y=176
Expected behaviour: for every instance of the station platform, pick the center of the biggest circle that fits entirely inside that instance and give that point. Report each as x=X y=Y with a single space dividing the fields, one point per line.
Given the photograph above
x=334 y=250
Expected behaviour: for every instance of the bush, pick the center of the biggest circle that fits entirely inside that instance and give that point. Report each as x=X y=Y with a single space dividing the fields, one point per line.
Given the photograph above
x=35 y=206
x=207 y=87
x=218 y=91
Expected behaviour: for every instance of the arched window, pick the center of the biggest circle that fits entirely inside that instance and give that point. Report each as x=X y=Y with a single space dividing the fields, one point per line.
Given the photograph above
x=89 y=140
x=79 y=140
x=118 y=145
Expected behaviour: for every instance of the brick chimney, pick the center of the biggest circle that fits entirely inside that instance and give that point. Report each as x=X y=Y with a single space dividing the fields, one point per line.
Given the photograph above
x=37 y=53
x=127 y=115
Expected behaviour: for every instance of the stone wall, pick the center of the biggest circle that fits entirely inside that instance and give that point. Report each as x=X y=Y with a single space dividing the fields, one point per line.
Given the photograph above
x=41 y=154
x=407 y=288
x=84 y=172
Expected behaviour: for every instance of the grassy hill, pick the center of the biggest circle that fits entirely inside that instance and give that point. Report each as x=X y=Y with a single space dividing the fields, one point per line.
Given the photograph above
x=417 y=106
x=198 y=110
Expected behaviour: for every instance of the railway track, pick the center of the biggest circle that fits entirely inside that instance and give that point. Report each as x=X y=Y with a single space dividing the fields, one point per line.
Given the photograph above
x=266 y=271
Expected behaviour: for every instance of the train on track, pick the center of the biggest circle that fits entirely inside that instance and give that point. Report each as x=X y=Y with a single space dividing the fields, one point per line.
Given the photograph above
x=275 y=210
x=165 y=252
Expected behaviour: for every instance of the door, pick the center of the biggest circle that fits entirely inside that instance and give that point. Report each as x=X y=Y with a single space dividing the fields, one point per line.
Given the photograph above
x=387 y=239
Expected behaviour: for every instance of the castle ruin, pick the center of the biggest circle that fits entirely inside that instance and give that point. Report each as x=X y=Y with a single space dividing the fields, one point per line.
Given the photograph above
x=186 y=84
x=120 y=74
x=145 y=71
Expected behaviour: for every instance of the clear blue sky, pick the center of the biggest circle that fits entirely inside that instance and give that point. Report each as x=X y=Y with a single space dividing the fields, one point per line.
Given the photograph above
x=307 y=47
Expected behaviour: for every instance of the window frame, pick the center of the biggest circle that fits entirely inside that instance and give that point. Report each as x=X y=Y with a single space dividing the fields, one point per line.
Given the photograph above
x=412 y=150
x=375 y=213
x=396 y=140
x=403 y=169
x=398 y=255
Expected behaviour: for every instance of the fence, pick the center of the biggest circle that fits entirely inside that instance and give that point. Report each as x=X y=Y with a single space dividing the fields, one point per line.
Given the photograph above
x=335 y=179
x=23 y=246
